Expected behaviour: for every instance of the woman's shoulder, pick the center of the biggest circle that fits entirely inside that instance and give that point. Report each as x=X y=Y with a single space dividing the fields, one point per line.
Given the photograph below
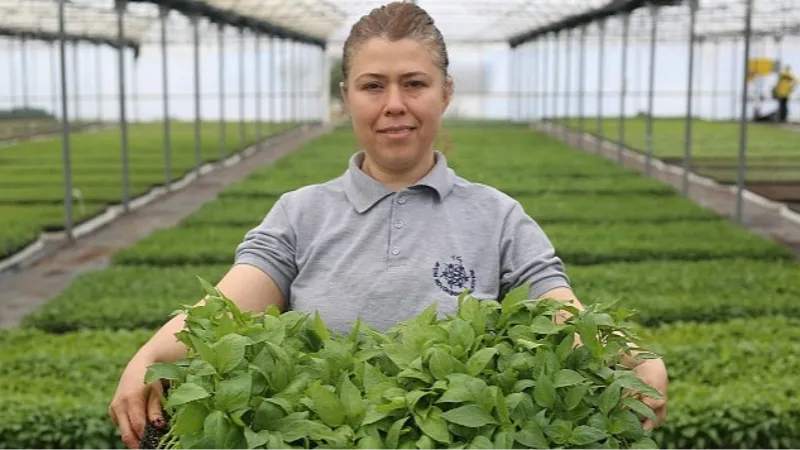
x=314 y=196
x=483 y=194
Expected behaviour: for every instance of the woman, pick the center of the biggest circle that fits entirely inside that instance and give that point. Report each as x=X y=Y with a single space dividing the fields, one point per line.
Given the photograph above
x=397 y=230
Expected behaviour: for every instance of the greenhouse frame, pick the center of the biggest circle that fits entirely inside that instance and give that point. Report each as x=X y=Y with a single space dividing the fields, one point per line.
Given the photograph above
x=648 y=145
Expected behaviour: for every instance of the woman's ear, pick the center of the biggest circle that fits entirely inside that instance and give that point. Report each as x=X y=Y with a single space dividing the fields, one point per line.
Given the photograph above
x=448 y=92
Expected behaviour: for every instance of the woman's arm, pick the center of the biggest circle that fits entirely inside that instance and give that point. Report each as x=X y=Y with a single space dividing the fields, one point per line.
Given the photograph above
x=652 y=372
x=248 y=287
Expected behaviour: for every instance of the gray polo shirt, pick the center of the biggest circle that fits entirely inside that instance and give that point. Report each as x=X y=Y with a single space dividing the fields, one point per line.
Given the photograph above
x=351 y=247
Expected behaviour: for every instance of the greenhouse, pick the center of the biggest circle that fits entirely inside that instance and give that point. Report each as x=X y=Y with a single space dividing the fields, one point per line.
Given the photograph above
x=655 y=144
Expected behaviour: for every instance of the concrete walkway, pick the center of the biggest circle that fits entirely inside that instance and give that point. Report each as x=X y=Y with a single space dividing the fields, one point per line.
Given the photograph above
x=31 y=284
x=773 y=220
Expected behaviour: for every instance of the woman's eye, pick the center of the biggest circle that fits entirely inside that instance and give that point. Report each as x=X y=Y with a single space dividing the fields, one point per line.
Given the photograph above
x=416 y=84
x=370 y=86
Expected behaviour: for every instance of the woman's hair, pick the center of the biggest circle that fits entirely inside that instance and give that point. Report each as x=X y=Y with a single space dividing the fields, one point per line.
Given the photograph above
x=396 y=21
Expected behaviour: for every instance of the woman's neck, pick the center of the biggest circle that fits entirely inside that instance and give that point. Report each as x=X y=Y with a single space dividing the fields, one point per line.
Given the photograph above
x=396 y=181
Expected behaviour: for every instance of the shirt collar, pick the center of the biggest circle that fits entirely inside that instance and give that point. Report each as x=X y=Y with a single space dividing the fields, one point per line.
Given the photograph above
x=364 y=191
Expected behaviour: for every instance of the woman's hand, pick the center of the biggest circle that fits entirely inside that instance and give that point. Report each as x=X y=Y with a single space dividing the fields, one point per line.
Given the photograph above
x=135 y=402
x=654 y=373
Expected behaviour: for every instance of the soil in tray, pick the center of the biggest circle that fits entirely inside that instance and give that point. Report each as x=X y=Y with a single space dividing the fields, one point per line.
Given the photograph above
x=733 y=165
x=732 y=161
x=781 y=192
x=774 y=174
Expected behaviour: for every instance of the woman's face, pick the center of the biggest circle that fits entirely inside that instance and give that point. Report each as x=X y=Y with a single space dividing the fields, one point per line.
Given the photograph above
x=396 y=96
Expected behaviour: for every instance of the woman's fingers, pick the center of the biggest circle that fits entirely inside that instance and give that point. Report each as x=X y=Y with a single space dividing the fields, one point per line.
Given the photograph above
x=154 y=409
x=120 y=418
x=137 y=415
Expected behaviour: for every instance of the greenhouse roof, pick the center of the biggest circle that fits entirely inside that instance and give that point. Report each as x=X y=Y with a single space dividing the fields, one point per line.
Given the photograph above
x=38 y=20
x=328 y=21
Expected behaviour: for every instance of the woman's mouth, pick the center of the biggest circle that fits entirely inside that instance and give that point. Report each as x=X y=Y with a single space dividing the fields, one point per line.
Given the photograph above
x=398 y=132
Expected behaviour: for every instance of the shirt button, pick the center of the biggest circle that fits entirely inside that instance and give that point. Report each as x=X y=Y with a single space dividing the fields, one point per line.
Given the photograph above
x=395 y=251
x=398 y=224
x=401 y=200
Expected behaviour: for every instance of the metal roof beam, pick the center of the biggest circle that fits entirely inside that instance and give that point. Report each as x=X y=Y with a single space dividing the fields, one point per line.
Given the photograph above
x=221 y=16
x=46 y=36
x=614 y=8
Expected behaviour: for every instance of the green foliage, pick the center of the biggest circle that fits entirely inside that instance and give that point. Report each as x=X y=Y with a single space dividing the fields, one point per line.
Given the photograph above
x=121 y=297
x=688 y=240
x=668 y=291
x=56 y=389
x=709 y=139
x=495 y=375
x=32 y=179
x=758 y=412
x=734 y=351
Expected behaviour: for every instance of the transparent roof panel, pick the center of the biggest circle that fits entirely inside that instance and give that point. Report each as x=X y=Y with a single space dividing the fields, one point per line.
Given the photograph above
x=459 y=20
x=82 y=19
x=470 y=21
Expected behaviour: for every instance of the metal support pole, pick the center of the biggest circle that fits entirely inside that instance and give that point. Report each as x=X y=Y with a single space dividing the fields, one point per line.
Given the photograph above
x=654 y=10
x=687 y=149
x=286 y=104
x=198 y=156
x=223 y=138
x=543 y=95
x=242 y=129
x=54 y=76
x=521 y=83
x=529 y=74
x=741 y=167
x=25 y=80
x=291 y=82
x=538 y=53
x=135 y=90
x=123 y=122
x=556 y=76
x=285 y=82
x=301 y=78
x=99 y=81
x=626 y=26
x=324 y=86
x=526 y=84
x=735 y=79
x=600 y=69
x=12 y=74
x=510 y=95
x=698 y=96
x=259 y=135
x=65 y=137
x=567 y=82
x=273 y=83
x=582 y=86
x=164 y=12
x=715 y=78
x=76 y=80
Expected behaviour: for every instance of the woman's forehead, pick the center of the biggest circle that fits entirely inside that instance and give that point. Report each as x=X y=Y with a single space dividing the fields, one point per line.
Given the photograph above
x=383 y=56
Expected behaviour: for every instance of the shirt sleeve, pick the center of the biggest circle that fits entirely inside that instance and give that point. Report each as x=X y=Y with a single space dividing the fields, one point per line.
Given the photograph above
x=270 y=246
x=527 y=256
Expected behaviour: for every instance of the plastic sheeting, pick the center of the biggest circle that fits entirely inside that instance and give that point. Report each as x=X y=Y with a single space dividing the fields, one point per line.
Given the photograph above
x=86 y=21
x=471 y=21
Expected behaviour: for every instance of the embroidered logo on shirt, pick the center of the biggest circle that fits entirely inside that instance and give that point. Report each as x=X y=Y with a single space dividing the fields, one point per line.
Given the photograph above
x=452 y=277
